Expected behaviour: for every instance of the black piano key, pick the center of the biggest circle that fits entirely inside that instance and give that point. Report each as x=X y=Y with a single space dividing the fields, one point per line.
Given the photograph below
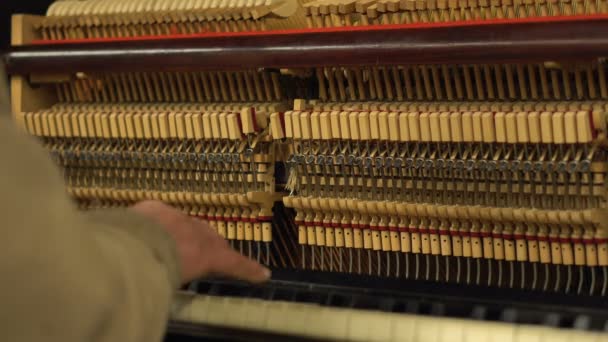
x=437 y=309
x=309 y=297
x=479 y=313
x=425 y=308
x=567 y=322
x=283 y=294
x=582 y=322
x=254 y=292
x=509 y=316
x=400 y=306
x=597 y=324
x=413 y=307
x=270 y=293
x=366 y=302
x=215 y=290
x=339 y=300
x=386 y=304
x=552 y=320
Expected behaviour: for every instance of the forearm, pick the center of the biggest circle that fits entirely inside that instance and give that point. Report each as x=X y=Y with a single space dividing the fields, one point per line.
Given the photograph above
x=68 y=276
x=145 y=230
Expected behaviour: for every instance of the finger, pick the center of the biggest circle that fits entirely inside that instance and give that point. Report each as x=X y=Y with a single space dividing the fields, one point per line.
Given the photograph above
x=234 y=265
x=160 y=212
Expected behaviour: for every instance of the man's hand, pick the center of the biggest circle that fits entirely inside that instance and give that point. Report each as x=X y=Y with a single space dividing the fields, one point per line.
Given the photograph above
x=201 y=251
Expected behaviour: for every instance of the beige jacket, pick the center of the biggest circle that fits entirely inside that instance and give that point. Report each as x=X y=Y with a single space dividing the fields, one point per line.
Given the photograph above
x=68 y=275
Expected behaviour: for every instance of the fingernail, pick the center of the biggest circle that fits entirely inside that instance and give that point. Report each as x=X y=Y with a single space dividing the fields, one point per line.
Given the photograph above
x=267 y=273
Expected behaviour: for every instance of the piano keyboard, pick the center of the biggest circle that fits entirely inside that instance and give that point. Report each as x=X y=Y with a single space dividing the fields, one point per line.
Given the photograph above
x=328 y=324
x=321 y=312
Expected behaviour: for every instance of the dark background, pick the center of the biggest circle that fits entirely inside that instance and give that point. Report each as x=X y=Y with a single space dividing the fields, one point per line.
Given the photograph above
x=10 y=7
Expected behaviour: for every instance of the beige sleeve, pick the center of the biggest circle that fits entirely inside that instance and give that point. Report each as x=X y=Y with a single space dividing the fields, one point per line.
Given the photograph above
x=68 y=275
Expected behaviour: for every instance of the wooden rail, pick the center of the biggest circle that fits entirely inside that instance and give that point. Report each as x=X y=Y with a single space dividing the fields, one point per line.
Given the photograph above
x=529 y=40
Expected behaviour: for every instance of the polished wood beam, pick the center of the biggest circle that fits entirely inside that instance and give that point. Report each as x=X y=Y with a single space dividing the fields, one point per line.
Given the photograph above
x=530 y=40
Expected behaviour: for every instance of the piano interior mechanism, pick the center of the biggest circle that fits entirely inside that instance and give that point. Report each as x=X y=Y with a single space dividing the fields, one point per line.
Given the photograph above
x=412 y=170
